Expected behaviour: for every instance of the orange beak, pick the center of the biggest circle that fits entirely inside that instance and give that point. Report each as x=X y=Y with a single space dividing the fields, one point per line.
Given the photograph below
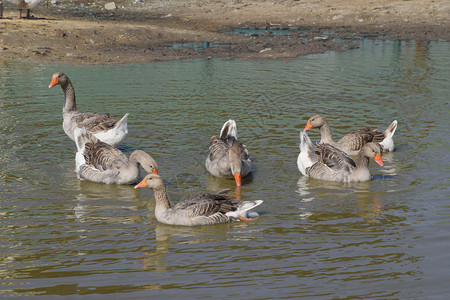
x=53 y=83
x=377 y=158
x=308 y=126
x=155 y=172
x=143 y=183
x=237 y=178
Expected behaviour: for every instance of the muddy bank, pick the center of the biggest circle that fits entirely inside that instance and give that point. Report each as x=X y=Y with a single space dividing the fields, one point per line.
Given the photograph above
x=86 y=33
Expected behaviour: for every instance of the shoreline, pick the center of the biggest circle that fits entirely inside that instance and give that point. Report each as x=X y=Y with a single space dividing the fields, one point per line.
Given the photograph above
x=79 y=33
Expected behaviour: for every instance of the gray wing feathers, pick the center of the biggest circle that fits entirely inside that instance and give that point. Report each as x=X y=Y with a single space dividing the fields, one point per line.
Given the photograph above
x=103 y=156
x=355 y=141
x=92 y=174
x=209 y=207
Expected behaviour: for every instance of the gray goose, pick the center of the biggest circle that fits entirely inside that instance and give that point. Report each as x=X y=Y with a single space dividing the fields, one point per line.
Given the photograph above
x=327 y=162
x=353 y=142
x=100 y=162
x=25 y=4
x=203 y=209
x=103 y=126
x=228 y=157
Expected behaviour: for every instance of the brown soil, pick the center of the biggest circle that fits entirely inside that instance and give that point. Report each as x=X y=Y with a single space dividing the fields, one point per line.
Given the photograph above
x=85 y=32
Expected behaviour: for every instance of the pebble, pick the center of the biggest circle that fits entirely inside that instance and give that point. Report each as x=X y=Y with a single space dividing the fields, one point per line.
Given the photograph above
x=110 y=6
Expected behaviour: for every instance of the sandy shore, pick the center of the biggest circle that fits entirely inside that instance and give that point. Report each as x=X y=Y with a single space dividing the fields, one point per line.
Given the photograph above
x=82 y=32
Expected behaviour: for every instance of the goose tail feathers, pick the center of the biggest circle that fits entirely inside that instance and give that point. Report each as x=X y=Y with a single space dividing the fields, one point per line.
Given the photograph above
x=307 y=156
x=122 y=124
x=388 y=142
x=229 y=128
x=389 y=132
x=305 y=142
x=243 y=210
x=82 y=136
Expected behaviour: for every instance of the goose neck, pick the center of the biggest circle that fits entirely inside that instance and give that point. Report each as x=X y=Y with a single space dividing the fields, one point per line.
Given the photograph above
x=70 y=104
x=362 y=161
x=161 y=198
x=325 y=133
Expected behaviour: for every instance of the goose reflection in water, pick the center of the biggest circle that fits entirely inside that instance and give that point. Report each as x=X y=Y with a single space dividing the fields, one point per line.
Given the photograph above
x=216 y=184
x=94 y=203
x=310 y=190
x=167 y=236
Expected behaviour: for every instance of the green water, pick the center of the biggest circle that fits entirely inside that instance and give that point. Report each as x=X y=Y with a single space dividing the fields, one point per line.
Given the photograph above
x=383 y=239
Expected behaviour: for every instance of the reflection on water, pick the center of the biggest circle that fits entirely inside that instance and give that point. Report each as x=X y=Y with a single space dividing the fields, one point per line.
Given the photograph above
x=379 y=239
x=369 y=203
x=196 y=46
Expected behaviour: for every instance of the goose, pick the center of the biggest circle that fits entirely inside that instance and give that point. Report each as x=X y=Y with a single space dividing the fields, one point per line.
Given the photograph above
x=327 y=162
x=103 y=126
x=353 y=142
x=228 y=157
x=202 y=209
x=100 y=162
x=25 y=4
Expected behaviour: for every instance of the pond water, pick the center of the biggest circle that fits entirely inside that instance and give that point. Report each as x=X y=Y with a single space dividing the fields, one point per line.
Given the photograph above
x=387 y=238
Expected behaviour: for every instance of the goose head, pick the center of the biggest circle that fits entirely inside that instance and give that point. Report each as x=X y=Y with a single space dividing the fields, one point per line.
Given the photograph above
x=145 y=160
x=58 y=78
x=372 y=151
x=152 y=181
x=316 y=121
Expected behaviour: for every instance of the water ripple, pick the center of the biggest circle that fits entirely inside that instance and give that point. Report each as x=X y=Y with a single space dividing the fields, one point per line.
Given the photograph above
x=379 y=239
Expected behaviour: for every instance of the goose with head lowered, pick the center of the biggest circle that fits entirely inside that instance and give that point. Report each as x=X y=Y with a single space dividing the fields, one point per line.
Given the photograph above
x=327 y=162
x=228 y=157
x=103 y=126
x=353 y=142
x=205 y=209
x=100 y=162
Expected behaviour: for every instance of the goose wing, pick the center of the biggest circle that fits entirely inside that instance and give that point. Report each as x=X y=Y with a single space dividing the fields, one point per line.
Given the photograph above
x=356 y=140
x=334 y=158
x=103 y=156
x=206 y=205
x=95 y=122
x=217 y=148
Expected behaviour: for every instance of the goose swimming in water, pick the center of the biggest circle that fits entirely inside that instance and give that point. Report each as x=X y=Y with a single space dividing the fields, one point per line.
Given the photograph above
x=326 y=162
x=99 y=162
x=228 y=157
x=203 y=209
x=103 y=126
x=353 y=142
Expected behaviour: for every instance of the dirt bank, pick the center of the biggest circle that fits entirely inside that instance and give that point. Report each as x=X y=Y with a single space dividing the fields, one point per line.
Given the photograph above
x=85 y=32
